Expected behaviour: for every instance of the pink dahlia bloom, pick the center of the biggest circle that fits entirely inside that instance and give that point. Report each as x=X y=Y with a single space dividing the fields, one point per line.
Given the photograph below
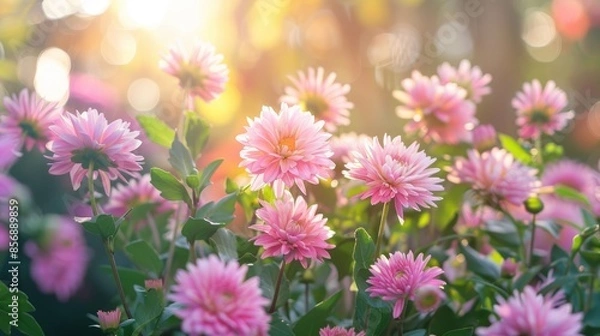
x=213 y=299
x=495 y=176
x=484 y=137
x=339 y=331
x=394 y=172
x=87 y=140
x=472 y=79
x=530 y=313
x=110 y=320
x=286 y=148
x=28 y=119
x=200 y=71
x=9 y=147
x=398 y=278
x=428 y=298
x=137 y=192
x=293 y=230
x=321 y=96
x=574 y=175
x=438 y=112
x=539 y=109
x=60 y=259
x=344 y=145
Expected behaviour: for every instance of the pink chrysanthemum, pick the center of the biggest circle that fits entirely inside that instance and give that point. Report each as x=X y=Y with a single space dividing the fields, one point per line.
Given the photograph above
x=213 y=299
x=438 y=112
x=344 y=144
x=321 y=96
x=428 y=298
x=87 y=140
x=110 y=320
x=571 y=174
x=137 y=192
x=495 y=176
x=529 y=313
x=472 y=79
x=28 y=119
x=398 y=278
x=394 y=172
x=9 y=147
x=293 y=230
x=59 y=260
x=339 y=331
x=484 y=137
x=285 y=148
x=539 y=109
x=200 y=71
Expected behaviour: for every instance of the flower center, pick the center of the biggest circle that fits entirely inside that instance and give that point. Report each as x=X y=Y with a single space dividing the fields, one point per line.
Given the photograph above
x=287 y=144
x=30 y=129
x=87 y=156
x=539 y=116
x=314 y=104
x=190 y=77
x=400 y=274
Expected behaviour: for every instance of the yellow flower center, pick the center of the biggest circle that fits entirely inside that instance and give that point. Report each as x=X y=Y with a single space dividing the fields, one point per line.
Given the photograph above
x=287 y=144
x=314 y=104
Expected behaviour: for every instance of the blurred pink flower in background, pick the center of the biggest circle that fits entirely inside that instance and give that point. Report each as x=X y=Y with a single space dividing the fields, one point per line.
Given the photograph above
x=321 y=96
x=398 y=278
x=28 y=119
x=137 y=192
x=438 y=112
x=394 y=172
x=213 y=299
x=539 y=109
x=530 y=313
x=4 y=237
x=286 y=148
x=293 y=230
x=495 y=176
x=339 y=331
x=345 y=144
x=60 y=258
x=87 y=140
x=484 y=137
x=572 y=174
x=470 y=78
x=428 y=298
x=11 y=188
x=200 y=71
x=10 y=149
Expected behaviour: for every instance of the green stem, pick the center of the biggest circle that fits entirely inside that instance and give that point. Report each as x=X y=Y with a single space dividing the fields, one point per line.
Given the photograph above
x=532 y=242
x=538 y=147
x=111 y=258
x=590 y=298
x=91 y=189
x=171 y=251
x=277 y=286
x=306 y=294
x=193 y=251
x=401 y=319
x=384 y=213
x=520 y=232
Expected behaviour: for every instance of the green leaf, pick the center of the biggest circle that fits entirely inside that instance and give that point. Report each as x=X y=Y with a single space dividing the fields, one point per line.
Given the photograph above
x=169 y=186
x=268 y=278
x=316 y=318
x=144 y=256
x=225 y=243
x=341 y=256
x=129 y=278
x=196 y=133
x=418 y=332
x=193 y=181
x=149 y=307
x=513 y=147
x=479 y=264
x=181 y=159
x=199 y=229
x=156 y=130
x=220 y=212
x=468 y=331
x=101 y=225
x=443 y=320
x=591 y=317
x=29 y=326
x=570 y=194
x=278 y=327
x=364 y=250
x=208 y=172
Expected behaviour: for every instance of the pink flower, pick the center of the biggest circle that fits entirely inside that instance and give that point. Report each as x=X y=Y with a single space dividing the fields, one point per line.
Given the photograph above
x=529 y=313
x=398 y=278
x=539 y=109
x=484 y=137
x=323 y=97
x=572 y=174
x=28 y=119
x=344 y=145
x=428 y=298
x=9 y=189
x=156 y=284
x=110 y=320
x=291 y=229
x=200 y=71
x=213 y=299
x=87 y=140
x=339 y=331
x=495 y=176
x=59 y=260
x=9 y=147
x=4 y=237
x=285 y=148
x=475 y=82
x=137 y=192
x=438 y=112
x=395 y=172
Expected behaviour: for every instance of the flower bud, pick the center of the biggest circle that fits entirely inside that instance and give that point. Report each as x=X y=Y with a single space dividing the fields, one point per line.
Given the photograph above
x=484 y=137
x=509 y=268
x=110 y=320
x=534 y=205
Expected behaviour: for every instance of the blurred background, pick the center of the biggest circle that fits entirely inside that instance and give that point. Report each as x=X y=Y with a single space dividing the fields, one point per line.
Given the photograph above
x=104 y=54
